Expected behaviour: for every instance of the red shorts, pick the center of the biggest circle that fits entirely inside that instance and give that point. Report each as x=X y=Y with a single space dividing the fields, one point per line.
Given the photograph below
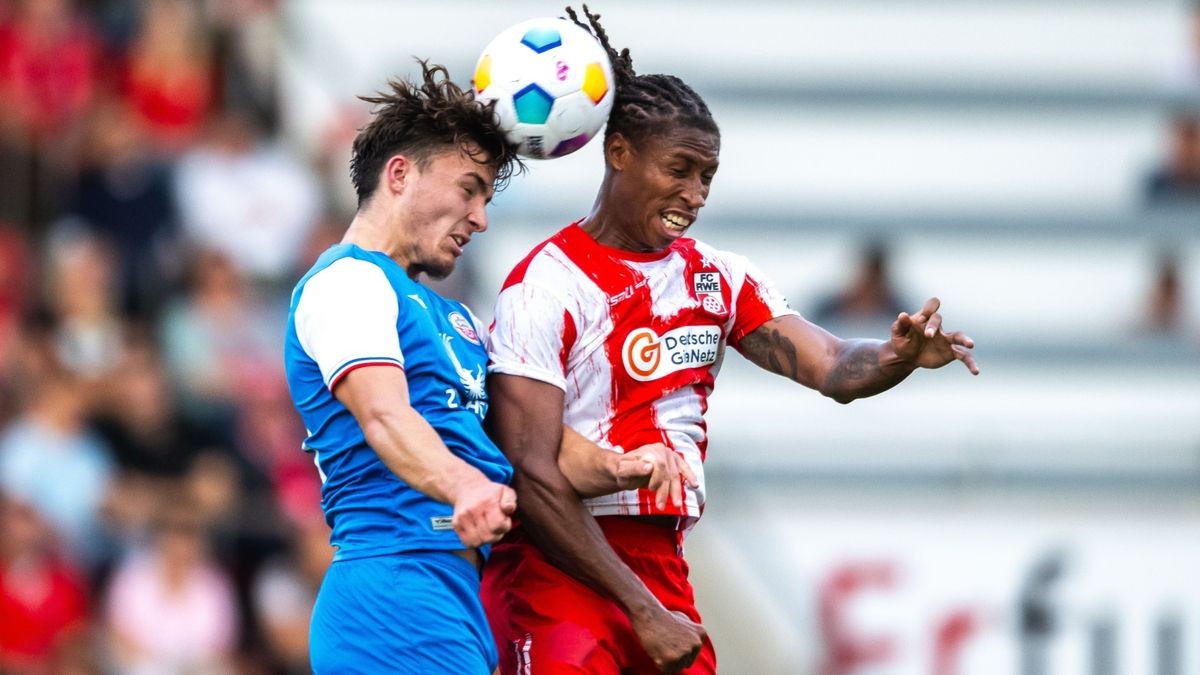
x=546 y=622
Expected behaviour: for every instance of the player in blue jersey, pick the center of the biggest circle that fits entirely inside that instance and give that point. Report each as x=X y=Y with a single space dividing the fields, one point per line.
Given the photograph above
x=389 y=379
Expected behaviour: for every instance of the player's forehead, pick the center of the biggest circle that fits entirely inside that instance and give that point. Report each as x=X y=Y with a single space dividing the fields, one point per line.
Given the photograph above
x=464 y=162
x=684 y=143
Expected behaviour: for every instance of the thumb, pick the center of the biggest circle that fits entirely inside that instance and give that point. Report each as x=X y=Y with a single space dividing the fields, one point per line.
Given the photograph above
x=508 y=500
x=634 y=467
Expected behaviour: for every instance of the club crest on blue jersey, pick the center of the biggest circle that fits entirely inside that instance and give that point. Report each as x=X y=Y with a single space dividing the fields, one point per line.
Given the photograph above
x=475 y=398
x=464 y=327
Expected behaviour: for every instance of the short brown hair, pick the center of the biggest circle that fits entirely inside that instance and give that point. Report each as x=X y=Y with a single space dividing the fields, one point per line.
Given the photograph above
x=423 y=119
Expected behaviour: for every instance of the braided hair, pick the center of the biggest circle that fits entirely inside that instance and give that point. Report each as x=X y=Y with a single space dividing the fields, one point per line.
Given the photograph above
x=646 y=103
x=423 y=119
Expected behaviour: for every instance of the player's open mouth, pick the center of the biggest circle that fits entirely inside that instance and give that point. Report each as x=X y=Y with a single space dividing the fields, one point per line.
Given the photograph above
x=675 y=222
x=459 y=241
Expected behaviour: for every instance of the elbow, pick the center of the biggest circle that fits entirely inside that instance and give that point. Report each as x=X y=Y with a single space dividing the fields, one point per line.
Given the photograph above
x=841 y=397
x=541 y=488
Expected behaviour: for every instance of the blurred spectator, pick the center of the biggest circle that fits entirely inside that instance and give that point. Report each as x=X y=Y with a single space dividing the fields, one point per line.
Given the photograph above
x=249 y=38
x=272 y=435
x=285 y=590
x=168 y=74
x=248 y=198
x=870 y=301
x=89 y=335
x=124 y=194
x=49 y=459
x=43 y=601
x=154 y=448
x=171 y=609
x=49 y=65
x=15 y=291
x=1179 y=179
x=216 y=338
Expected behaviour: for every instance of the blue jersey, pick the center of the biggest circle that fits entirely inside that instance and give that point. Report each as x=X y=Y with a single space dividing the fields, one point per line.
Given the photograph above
x=356 y=308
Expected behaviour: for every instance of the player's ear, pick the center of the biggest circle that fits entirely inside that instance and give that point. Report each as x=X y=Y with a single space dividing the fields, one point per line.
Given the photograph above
x=617 y=151
x=396 y=173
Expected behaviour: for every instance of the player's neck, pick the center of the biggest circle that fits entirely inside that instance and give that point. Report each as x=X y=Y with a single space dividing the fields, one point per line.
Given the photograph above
x=370 y=232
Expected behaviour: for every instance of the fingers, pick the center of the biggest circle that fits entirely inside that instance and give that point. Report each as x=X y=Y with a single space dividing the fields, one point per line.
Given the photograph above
x=483 y=518
x=508 y=500
x=688 y=474
x=928 y=309
x=959 y=338
x=963 y=354
x=659 y=469
x=633 y=467
x=902 y=324
x=933 y=325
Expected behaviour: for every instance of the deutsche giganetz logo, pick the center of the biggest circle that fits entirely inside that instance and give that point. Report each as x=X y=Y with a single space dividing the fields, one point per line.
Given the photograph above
x=647 y=356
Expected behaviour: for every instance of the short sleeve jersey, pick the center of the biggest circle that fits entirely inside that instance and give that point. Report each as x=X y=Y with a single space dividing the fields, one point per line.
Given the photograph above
x=356 y=308
x=635 y=341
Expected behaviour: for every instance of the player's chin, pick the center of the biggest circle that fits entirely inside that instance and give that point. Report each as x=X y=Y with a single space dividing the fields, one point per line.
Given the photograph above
x=440 y=269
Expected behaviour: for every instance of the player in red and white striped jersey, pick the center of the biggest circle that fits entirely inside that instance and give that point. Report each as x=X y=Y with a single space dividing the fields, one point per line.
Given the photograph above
x=617 y=326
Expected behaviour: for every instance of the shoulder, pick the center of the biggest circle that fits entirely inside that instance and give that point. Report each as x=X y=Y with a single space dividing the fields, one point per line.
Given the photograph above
x=345 y=271
x=547 y=263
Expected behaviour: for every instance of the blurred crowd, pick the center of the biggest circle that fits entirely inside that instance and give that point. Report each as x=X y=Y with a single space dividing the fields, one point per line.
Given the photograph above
x=156 y=512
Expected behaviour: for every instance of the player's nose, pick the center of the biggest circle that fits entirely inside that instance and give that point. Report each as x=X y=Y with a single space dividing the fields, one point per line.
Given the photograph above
x=695 y=195
x=478 y=218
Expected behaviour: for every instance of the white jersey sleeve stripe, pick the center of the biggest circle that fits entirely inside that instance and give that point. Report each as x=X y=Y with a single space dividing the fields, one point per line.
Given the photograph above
x=346 y=318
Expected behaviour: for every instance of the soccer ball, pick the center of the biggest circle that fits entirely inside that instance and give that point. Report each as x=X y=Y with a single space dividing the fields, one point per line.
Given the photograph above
x=552 y=83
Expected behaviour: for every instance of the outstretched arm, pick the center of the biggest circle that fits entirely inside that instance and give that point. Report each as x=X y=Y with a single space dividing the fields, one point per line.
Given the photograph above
x=527 y=423
x=845 y=370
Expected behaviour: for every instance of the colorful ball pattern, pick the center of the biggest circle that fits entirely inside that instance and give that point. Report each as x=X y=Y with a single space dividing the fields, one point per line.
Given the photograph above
x=552 y=83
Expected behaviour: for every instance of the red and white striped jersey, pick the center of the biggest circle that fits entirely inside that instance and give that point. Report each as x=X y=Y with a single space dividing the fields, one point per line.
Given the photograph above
x=634 y=340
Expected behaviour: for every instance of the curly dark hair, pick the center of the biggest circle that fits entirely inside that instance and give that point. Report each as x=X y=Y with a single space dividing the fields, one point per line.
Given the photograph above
x=646 y=103
x=424 y=119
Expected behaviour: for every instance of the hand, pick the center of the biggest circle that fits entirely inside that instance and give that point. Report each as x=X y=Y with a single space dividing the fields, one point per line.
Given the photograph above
x=659 y=468
x=482 y=512
x=672 y=640
x=919 y=340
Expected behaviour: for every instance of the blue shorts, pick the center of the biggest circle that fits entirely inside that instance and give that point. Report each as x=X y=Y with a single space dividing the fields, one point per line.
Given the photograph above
x=416 y=612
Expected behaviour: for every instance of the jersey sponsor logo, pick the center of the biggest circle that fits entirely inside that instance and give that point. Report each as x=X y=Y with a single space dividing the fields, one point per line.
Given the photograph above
x=439 y=523
x=464 y=327
x=648 y=356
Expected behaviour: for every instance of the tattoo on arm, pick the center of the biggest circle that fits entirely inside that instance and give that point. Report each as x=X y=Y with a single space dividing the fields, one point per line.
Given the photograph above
x=859 y=364
x=859 y=373
x=771 y=349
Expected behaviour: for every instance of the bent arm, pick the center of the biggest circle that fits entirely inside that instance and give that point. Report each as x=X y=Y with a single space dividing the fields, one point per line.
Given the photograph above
x=405 y=442
x=843 y=370
x=377 y=396
x=590 y=469
x=527 y=423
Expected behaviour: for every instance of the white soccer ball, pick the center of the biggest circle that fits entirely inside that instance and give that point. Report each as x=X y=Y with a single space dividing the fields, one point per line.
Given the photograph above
x=552 y=83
